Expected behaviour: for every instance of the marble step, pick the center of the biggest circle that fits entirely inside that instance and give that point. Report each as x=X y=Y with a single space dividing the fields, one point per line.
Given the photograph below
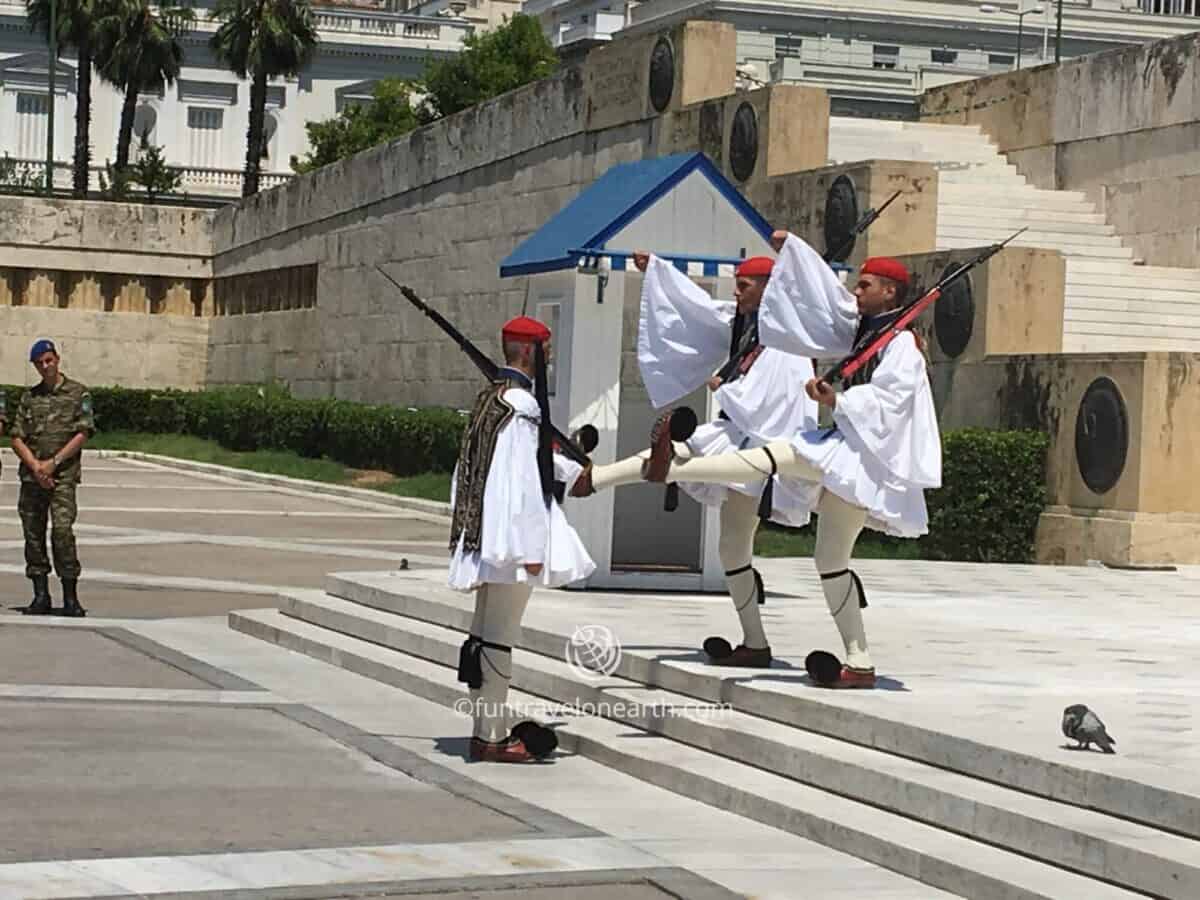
x=1023 y=215
x=848 y=149
x=1102 y=268
x=1054 y=832
x=1181 y=305
x=983 y=177
x=1044 y=234
x=1124 y=342
x=976 y=195
x=894 y=126
x=1137 y=793
x=1014 y=220
x=935 y=856
x=1133 y=285
x=1184 y=336
x=967 y=241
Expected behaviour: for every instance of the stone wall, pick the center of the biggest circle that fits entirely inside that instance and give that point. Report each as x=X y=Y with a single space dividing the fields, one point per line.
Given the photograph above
x=135 y=350
x=111 y=238
x=122 y=288
x=105 y=257
x=440 y=208
x=287 y=281
x=1123 y=126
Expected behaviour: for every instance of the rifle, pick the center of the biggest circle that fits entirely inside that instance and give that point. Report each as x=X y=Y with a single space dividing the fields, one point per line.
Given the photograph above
x=738 y=363
x=873 y=343
x=862 y=225
x=489 y=369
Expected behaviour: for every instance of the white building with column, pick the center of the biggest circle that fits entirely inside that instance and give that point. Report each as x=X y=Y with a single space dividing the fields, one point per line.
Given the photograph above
x=875 y=57
x=202 y=119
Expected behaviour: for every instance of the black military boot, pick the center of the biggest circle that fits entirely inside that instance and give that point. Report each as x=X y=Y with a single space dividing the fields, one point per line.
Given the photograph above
x=71 y=605
x=41 y=597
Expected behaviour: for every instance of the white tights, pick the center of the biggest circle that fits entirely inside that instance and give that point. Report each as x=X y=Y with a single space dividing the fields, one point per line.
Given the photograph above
x=838 y=527
x=498 y=612
x=739 y=523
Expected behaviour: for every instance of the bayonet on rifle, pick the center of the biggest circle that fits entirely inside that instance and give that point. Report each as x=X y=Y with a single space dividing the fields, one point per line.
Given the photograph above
x=489 y=369
x=873 y=343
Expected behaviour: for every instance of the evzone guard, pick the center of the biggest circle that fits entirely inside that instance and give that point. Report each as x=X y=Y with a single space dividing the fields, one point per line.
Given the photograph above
x=683 y=338
x=508 y=534
x=870 y=469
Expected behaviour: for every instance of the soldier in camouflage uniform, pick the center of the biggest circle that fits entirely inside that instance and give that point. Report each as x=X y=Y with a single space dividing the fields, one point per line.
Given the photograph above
x=52 y=423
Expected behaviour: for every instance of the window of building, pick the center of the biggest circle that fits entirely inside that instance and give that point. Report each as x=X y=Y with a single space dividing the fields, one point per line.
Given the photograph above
x=33 y=112
x=204 y=135
x=886 y=56
x=1171 y=7
x=1000 y=62
x=943 y=57
x=787 y=45
x=213 y=93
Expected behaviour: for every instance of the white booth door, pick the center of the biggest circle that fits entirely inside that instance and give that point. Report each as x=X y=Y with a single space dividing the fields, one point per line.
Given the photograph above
x=646 y=538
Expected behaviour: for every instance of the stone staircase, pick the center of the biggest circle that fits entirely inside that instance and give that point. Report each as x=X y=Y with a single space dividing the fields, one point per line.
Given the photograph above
x=975 y=820
x=1110 y=304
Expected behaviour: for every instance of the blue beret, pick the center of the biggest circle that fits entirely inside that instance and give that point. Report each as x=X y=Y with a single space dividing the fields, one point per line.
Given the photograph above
x=45 y=345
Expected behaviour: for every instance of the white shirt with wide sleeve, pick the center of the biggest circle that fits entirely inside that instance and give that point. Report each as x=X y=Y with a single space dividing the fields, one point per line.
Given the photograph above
x=683 y=338
x=806 y=309
x=886 y=450
x=683 y=334
x=518 y=527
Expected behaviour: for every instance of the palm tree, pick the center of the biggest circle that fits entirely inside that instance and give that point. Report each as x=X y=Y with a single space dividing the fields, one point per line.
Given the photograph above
x=75 y=22
x=137 y=49
x=261 y=40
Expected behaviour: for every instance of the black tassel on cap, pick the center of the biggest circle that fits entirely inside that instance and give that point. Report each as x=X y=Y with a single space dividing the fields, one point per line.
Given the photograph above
x=545 y=438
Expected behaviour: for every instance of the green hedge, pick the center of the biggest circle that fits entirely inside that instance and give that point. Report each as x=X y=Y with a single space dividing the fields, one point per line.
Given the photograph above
x=401 y=441
x=993 y=490
x=987 y=510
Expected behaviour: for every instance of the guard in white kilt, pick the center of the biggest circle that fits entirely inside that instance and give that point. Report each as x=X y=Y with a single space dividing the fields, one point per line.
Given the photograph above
x=684 y=337
x=508 y=534
x=871 y=469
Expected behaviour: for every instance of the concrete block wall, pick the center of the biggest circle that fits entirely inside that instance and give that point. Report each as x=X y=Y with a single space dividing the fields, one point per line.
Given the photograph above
x=92 y=236
x=135 y=350
x=1123 y=126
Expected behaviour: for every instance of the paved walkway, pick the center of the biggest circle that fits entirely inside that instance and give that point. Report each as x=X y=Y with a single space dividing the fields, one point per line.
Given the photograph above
x=149 y=749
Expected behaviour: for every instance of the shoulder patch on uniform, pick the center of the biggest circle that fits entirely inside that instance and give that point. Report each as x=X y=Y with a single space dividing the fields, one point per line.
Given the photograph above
x=87 y=404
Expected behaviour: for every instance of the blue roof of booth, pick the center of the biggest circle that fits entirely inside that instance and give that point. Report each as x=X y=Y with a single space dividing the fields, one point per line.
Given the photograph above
x=610 y=203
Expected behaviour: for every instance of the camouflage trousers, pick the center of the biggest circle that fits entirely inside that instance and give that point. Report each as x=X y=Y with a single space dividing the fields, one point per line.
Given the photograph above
x=35 y=505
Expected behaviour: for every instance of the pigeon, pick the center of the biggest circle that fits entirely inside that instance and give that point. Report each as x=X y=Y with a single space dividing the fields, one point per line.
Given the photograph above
x=1081 y=724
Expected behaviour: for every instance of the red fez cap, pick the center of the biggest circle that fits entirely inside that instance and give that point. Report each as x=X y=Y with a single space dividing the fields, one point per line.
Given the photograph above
x=754 y=267
x=523 y=328
x=885 y=267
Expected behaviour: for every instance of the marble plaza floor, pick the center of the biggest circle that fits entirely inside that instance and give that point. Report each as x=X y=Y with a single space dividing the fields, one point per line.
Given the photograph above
x=150 y=750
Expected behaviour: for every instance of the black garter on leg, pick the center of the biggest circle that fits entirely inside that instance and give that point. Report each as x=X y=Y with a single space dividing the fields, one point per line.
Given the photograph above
x=759 y=591
x=470 y=669
x=766 y=502
x=856 y=581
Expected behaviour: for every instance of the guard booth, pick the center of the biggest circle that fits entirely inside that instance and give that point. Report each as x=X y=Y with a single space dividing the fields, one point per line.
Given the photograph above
x=584 y=286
